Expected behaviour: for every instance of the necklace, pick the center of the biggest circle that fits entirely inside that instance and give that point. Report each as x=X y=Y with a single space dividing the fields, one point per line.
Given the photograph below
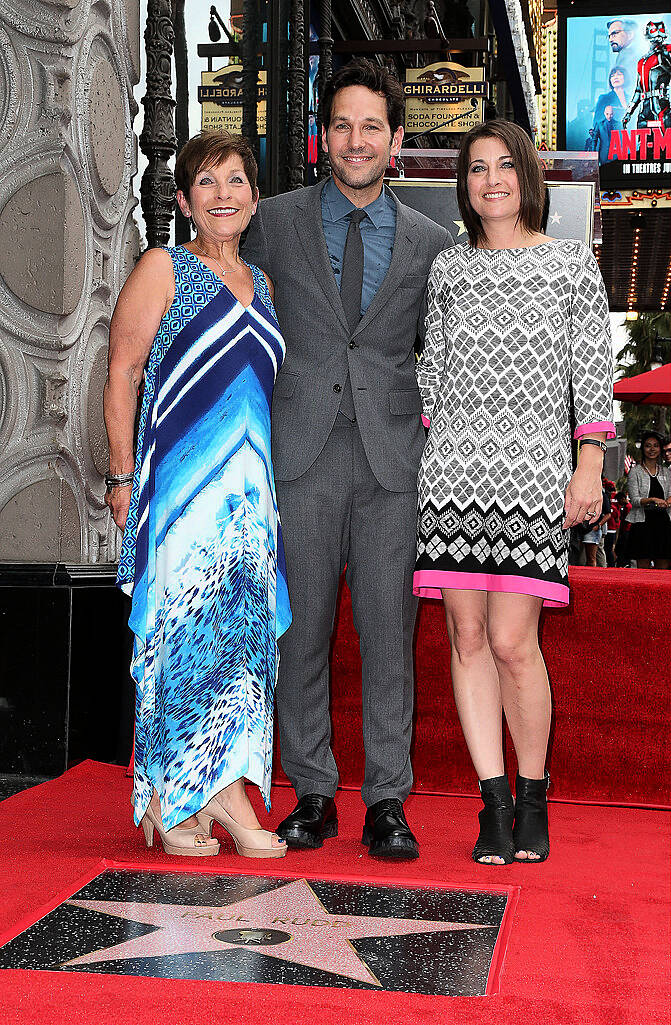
x=649 y=472
x=223 y=272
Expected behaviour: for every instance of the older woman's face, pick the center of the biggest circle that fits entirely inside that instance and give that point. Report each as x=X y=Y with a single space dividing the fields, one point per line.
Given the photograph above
x=493 y=188
x=220 y=201
x=651 y=448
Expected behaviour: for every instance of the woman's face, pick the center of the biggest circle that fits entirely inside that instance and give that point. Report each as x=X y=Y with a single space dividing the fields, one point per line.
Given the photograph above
x=493 y=188
x=220 y=201
x=616 y=80
x=651 y=448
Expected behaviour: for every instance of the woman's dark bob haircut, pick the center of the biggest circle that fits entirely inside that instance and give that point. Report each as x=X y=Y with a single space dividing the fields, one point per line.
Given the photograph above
x=374 y=77
x=625 y=75
x=529 y=175
x=659 y=438
x=211 y=149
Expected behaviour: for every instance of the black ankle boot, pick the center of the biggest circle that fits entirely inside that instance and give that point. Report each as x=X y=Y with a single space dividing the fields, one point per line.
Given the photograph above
x=530 y=832
x=496 y=821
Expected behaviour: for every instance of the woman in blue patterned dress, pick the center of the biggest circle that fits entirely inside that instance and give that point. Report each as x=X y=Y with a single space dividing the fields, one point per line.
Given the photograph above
x=202 y=548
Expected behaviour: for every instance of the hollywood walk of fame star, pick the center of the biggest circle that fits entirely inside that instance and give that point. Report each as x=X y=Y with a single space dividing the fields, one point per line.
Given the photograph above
x=461 y=226
x=556 y=218
x=315 y=938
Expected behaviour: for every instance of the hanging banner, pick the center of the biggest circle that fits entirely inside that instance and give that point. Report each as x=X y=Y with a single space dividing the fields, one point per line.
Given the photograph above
x=443 y=97
x=616 y=71
x=220 y=96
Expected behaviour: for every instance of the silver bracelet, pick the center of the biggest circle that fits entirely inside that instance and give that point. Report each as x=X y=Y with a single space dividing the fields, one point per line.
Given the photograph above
x=118 y=480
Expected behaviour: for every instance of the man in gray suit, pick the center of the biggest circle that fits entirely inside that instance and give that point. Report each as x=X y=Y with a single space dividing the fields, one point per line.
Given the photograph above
x=350 y=266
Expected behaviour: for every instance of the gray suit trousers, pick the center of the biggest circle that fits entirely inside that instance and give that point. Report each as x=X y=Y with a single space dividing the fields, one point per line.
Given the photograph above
x=337 y=513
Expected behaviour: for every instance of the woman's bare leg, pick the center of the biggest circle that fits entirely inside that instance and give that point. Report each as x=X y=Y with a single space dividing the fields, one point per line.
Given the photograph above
x=590 y=553
x=512 y=624
x=233 y=798
x=235 y=801
x=475 y=681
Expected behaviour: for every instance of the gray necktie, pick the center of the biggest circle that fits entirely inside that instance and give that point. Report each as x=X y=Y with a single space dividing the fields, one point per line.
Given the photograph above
x=351 y=280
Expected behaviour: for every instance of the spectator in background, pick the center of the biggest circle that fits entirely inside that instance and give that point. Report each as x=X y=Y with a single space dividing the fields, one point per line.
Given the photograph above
x=612 y=525
x=608 y=488
x=667 y=452
x=595 y=536
x=622 y=542
x=649 y=486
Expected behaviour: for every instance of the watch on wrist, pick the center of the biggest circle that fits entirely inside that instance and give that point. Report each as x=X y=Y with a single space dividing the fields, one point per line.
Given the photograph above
x=592 y=441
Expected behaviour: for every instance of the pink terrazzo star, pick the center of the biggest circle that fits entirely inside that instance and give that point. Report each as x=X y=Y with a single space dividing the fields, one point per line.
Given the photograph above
x=317 y=939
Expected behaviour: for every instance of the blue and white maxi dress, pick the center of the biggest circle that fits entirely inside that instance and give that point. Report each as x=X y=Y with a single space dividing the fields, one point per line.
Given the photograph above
x=202 y=550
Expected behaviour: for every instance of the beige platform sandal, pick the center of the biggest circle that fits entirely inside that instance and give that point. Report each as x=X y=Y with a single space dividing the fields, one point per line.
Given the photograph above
x=249 y=843
x=192 y=843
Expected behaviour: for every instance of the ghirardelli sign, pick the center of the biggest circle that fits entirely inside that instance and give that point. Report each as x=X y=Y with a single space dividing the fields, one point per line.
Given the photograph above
x=220 y=96
x=444 y=97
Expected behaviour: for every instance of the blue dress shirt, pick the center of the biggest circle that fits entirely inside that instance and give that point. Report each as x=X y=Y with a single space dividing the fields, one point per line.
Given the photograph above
x=378 y=231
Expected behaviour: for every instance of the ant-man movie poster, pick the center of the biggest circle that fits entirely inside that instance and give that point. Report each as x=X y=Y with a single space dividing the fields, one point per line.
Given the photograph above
x=618 y=95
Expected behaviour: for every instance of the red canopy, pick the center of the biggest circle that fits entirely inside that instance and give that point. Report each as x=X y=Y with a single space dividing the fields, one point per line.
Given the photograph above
x=652 y=388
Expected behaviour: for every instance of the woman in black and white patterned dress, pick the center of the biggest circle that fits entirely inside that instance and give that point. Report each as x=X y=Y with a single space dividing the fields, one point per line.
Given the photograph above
x=517 y=323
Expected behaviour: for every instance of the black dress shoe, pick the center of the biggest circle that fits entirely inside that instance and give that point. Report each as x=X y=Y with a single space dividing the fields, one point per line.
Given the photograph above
x=386 y=832
x=313 y=820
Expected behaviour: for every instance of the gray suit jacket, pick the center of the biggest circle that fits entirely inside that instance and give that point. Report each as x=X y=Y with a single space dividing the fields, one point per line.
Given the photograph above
x=287 y=241
x=638 y=486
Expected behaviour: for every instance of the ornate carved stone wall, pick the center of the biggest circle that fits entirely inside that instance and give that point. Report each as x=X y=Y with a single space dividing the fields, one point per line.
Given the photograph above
x=67 y=243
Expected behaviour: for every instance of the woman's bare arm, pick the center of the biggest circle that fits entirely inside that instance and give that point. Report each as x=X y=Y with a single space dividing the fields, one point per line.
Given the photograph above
x=144 y=299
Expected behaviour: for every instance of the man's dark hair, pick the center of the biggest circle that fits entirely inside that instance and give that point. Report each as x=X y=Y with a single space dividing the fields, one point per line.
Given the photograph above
x=372 y=76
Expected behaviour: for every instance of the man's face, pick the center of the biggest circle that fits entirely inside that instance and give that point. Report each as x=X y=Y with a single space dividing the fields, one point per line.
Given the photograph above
x=608 y=113
x=618 y=37
x=359 y=141
x=667 y=454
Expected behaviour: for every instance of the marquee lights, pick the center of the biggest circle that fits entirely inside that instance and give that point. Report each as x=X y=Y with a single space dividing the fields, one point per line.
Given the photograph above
x=665 y=291
x=634 y=269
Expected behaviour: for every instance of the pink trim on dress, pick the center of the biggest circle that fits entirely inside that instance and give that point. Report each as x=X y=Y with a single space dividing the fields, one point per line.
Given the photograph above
x=427 y=583
x=426 y=421
x=593 y=428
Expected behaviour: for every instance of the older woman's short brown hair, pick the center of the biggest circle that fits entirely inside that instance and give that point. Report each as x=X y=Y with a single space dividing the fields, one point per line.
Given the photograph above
x=529 y=175
x=211 y=149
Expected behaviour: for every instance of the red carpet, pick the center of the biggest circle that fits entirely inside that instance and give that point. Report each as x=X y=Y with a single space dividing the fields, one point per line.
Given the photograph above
x=589 y=941
x=608 y=657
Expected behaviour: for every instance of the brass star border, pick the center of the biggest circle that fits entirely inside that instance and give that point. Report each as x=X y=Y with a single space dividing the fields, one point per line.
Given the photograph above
x=424 y=937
